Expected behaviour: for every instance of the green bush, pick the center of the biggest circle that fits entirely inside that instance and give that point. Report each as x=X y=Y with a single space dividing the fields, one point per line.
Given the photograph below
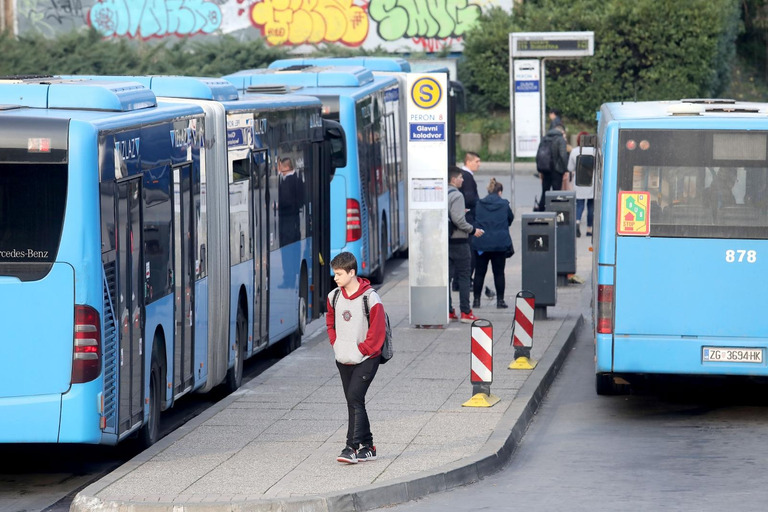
x=86 y=52
x=644 y=50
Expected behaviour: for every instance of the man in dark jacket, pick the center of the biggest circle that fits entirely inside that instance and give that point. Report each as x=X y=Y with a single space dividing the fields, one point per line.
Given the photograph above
x=552 y=178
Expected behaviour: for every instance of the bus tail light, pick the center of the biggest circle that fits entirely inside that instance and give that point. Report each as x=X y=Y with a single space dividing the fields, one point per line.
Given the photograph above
x=354 y=227
x=604 y=308
x=86 y=364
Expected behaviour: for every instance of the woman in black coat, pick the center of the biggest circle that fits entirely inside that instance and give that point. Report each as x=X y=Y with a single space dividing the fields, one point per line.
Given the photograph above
x=494 y=215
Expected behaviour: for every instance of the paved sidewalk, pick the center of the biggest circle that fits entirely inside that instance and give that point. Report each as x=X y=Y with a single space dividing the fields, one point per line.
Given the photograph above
x=272 y=445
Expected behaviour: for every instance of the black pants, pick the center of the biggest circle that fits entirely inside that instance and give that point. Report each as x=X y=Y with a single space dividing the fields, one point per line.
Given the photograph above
x=459 y=261
x=498 y=261
x=356 y=379
x=549 y=181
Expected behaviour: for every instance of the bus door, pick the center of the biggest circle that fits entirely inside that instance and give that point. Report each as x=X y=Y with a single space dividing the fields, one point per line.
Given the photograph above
x=260 y=228
x=393 y=166
x=130 y=307
x=370 y=187
x=183 y=279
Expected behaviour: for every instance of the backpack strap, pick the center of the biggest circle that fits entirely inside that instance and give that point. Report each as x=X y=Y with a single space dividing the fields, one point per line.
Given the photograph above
x=366 y=307
x=334 y=300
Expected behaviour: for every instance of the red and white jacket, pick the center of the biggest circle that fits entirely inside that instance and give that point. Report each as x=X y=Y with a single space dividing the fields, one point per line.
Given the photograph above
x=350 y=334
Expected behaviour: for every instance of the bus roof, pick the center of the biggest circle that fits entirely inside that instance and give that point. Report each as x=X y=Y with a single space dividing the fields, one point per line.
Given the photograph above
x=685 y=108
x=62 y=93
x=198 y=88
x=207 y=88
x=372 y=63
x=313 y=80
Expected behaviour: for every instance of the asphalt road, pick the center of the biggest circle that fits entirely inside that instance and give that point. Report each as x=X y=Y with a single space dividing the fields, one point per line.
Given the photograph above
x=674 y=444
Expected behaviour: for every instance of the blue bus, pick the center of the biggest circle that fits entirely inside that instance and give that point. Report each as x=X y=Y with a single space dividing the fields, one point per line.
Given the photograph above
x=368 y=196
x=681 y=237
x=117 y=214
x=398 y=68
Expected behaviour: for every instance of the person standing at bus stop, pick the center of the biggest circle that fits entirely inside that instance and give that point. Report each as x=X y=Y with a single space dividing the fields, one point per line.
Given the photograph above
x=357 y=343
x=552 y=161
x=584 y=194
x=494 y=215
x=458 y=246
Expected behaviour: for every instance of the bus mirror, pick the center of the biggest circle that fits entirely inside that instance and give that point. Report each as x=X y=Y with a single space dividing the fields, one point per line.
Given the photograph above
x=585 y=169
x=334 y=135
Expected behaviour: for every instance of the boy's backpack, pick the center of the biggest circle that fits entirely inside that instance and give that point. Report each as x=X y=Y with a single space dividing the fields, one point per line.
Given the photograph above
x=545 y=161
x=386 y=350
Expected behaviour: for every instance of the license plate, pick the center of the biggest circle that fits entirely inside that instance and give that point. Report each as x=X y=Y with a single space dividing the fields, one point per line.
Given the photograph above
x=731 y=355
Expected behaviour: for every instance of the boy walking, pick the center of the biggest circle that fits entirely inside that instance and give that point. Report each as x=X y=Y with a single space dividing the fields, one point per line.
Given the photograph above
x=357 y=343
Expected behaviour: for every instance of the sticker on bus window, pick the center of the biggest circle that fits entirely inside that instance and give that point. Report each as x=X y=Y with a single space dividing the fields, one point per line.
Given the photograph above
x=634 y=214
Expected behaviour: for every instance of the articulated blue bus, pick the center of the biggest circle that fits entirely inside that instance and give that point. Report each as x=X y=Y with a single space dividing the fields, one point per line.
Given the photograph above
x=368 y=201
x=681 y=239
x=145 y=232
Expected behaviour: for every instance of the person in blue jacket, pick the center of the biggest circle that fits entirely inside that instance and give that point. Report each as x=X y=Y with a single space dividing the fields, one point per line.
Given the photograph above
x=494 y=215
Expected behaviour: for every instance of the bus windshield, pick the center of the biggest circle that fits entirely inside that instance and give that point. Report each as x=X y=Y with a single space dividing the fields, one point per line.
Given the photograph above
x=32 y=198
x=701 y=184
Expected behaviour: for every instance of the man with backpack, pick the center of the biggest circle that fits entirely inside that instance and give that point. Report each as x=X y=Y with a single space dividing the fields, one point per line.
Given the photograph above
x=552 y=161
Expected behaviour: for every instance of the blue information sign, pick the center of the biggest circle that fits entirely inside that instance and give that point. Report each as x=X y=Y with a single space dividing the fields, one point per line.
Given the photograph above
x=426 y=131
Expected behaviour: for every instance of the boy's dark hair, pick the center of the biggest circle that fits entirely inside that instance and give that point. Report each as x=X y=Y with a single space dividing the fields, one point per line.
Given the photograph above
x=345 y=261
x=453 y=172
x=470 y=155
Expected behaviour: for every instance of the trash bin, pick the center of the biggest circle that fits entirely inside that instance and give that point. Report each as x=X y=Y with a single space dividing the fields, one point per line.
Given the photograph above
x=563 y=204
x=539 y=259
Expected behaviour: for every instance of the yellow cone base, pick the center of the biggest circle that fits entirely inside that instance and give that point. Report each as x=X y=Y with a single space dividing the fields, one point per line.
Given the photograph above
x=522 y=363
x=481 y=400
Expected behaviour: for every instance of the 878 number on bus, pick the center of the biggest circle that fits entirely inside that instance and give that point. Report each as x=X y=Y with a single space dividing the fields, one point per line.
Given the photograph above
x=740 y=255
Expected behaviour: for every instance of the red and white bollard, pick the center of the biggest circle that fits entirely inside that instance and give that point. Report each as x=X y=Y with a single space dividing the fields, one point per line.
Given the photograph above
x=522 y=331
x=481 y=365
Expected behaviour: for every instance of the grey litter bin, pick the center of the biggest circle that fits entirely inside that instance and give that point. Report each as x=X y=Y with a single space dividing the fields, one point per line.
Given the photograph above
x=539 y=259
x=563 y=204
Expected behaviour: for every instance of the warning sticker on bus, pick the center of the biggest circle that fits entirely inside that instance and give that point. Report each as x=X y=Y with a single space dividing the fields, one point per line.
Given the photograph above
x=634 y=218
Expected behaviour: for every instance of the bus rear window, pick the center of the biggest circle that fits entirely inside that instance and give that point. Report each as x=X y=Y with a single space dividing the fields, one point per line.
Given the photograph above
x=32 y=199
x=698 y=188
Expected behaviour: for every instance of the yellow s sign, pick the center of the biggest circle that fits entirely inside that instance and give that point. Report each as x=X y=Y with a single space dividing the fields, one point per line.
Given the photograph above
x=426 y=92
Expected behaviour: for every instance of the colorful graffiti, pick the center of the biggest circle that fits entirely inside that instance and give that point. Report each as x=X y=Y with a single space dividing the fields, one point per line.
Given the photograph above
x=393 y=25
x=428 y=19
x=154 y=18
x=295 y=22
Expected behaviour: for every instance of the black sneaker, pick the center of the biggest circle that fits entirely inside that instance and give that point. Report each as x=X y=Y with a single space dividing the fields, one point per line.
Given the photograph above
x=476 y=302
x=366 y=453
x=500 y=304
x=348 y=456
x=489 y=293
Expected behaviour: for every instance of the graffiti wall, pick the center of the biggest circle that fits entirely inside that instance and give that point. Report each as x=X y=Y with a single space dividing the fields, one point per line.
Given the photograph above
x=396 y=25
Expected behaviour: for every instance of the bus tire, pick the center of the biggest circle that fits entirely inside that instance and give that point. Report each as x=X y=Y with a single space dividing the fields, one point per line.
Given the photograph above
x=377 y=277
x=303 y=303
x=235 y=374
x=150 y=431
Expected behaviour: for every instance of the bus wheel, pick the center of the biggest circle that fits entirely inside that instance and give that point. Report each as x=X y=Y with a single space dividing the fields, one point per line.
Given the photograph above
x=235 y=374
x=150 y=431
x=303 y=300
x=378 y=276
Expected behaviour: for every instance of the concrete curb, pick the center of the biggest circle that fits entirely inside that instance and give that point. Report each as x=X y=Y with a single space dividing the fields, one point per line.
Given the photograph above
x=491 y=458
